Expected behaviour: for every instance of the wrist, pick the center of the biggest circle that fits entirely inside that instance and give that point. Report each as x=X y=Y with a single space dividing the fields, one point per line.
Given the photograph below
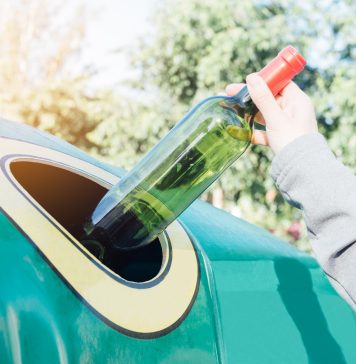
x=301 y=147
x=279 y=141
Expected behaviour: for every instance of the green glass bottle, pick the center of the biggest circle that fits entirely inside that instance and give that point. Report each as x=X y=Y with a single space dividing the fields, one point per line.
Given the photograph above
x=182 y=165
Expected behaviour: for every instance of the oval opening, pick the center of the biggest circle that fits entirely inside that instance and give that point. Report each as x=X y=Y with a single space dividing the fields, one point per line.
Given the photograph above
x=70 y=198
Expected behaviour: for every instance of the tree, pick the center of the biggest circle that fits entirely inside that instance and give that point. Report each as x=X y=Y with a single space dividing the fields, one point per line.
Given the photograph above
x=40 y=44
x=200 y=46
x=38 y=47
x=197 y=47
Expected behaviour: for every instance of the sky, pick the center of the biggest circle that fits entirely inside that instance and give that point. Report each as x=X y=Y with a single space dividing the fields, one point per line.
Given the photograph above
x=113 y=27
x=116 y=24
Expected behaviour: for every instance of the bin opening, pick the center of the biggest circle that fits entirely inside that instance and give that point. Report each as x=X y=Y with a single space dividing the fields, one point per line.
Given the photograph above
x=70 y=198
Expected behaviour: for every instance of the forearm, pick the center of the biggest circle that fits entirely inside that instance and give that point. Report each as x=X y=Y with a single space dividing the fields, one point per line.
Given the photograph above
x=310 y=177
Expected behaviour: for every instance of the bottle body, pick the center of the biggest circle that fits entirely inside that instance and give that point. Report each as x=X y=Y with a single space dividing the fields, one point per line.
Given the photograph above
x=174 y=173
x=181 y=166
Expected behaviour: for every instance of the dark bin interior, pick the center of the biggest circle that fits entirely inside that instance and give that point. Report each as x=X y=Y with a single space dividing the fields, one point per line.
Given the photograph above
x=71 y=198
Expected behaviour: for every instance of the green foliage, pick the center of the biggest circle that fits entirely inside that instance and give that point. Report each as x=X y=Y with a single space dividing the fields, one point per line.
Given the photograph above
x=196 y=48
x=36 y=62
x=200 y=46
x=62 y=109
x=128 y=129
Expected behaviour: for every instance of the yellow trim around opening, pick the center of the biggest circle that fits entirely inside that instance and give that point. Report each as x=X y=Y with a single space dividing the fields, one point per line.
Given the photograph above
x=145 y=311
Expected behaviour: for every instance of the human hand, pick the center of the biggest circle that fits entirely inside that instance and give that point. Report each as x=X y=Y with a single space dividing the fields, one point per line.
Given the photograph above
x=287 y=116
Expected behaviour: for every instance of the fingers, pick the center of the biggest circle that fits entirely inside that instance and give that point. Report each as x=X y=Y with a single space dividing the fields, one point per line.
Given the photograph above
x=234 y=88
x=263 y=97
x=259 y=137
x=290 y=89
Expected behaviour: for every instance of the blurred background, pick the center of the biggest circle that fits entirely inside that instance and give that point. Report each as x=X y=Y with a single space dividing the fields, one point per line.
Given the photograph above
x=112 y=77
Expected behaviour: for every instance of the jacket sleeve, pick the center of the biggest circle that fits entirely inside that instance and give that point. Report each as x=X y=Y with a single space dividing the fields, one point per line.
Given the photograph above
x=312 y=179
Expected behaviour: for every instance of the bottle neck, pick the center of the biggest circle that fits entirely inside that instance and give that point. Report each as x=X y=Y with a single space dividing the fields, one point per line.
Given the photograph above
x=243 y=97
x=245 y=102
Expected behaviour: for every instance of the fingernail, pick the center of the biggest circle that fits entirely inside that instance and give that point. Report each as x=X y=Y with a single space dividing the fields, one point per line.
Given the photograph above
x=254 y=80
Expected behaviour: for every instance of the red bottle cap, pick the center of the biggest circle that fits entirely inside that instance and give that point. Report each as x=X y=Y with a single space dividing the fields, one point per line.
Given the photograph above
x=280 y=71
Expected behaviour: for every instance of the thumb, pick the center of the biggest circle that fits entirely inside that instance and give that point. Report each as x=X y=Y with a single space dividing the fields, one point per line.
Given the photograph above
x=263 y=97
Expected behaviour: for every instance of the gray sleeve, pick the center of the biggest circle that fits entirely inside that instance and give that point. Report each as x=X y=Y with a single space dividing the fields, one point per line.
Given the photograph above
x=312 y=179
